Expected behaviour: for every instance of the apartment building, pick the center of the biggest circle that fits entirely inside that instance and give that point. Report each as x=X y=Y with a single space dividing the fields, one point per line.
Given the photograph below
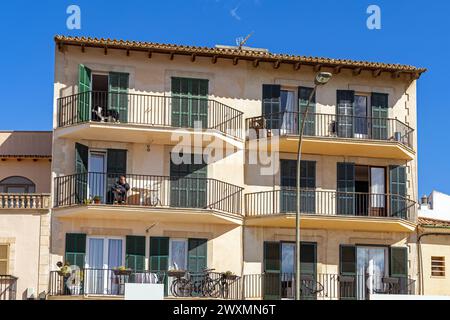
x=25 y=164
x=206 y=139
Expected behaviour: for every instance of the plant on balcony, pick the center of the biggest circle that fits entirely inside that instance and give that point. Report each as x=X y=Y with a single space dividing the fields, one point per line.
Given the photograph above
x=97 y=199
x=228 y=275
x=122 y=271
x=64 y=269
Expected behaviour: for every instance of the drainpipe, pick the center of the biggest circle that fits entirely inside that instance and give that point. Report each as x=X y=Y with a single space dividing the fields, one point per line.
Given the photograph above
x=419 y=252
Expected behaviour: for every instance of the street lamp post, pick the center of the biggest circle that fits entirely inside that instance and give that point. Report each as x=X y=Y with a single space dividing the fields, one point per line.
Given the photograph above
x=321 y=79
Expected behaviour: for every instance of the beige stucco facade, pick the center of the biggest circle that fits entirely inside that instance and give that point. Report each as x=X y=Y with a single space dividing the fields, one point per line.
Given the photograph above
x=235 y=243
x=24 y=225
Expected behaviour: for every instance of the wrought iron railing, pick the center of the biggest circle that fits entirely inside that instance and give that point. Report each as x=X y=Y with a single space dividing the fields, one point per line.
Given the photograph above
x=324 y=286
x=8 y=287
x=149 y=110
x=284 y=201
x=111 y=282
x=24 y=201
x=149 y=191
x=330 y=125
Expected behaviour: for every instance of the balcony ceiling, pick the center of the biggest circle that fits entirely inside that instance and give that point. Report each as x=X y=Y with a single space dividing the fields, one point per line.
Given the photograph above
x=334 y=222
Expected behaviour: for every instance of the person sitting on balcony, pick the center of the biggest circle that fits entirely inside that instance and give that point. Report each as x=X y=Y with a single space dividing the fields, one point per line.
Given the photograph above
x=120 y=189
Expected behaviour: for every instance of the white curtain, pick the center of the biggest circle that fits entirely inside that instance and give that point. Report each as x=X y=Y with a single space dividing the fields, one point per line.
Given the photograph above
x=178 y=254
x=114 y=261
x=95 y=273
x=289 y=123
x=370 y=270
x=377 y=188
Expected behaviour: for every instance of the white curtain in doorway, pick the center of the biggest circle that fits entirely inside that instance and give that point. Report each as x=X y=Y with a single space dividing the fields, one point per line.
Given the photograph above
x=377 y=187
x=95 y=274
x=289 y=122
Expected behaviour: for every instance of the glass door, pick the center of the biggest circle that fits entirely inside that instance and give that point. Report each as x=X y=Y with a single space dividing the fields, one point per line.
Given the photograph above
x=377 y=191
x=371 y=268
x=177 y=256
x=360 y=119
x=287 y=109
x=95 y=277
x=287 y=270
x=97 y=176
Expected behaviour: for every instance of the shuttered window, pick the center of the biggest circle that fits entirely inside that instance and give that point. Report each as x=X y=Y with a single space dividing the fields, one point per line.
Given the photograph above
x=75 y=249
x=310 y=121
x=438 y=266
x=399 y=262
x=345 y=101
x=159 y=253
x=84 y=93
x=397 y=179
x=4 y=259
x=271 y=105
x=379 y=116
x=345 y=197
x=135 y=252
x=118 y=94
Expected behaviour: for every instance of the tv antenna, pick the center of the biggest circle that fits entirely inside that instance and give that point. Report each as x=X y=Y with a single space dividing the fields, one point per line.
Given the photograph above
x=240 y=41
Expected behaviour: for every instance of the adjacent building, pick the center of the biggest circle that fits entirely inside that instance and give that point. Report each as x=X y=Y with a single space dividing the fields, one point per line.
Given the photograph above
x=135 y=109
x=25 y=171
x=433 y=243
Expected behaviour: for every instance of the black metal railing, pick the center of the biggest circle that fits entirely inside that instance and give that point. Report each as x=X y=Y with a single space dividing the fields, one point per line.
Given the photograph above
x=149 y=191
x=150 y=110
x=8 y=287
x=330 y=125
x=324 y=286
x=95 y=281
x=111 y=282
x=284 y=201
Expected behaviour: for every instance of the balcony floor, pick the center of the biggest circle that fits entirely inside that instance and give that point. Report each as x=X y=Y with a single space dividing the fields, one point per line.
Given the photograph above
x=139 y=213
x=333 y=222
x=335 y=146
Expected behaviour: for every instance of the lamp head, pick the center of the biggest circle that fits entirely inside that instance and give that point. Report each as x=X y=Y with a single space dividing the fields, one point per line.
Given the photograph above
x=322 y=78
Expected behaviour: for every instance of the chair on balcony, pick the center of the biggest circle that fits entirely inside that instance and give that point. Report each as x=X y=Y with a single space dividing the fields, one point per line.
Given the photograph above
x=101 y=115
x=389 y=286
x=257 y=124
x=310 y=286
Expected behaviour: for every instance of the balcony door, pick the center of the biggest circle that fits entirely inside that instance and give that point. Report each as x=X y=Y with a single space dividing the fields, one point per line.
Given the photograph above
x=189 y=102
x=372 y=267
x=103 y=255
x=97 y=175
x=361 y=120
x=188 y=184
x=288 y=194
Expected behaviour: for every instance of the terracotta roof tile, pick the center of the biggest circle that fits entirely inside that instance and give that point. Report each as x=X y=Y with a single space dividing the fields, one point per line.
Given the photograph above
x=234 y=53
x=433 y=222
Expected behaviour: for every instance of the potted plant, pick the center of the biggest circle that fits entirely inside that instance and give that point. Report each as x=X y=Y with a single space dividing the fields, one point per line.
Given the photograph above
x=64 y=269
x=176 y=273
x=97 y=199
x=122 y=271
x=228 y=275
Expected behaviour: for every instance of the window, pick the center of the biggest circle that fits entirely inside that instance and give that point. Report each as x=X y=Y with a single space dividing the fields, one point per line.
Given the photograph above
x=17 y=184
x=438 y=266
x=4 y=251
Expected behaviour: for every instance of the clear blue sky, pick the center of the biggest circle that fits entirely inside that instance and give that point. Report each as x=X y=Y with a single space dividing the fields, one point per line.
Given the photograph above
x=413 y=32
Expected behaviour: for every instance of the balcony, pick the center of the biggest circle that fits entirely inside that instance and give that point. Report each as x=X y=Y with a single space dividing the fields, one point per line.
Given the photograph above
x=24 y=201
x=324 y=286
x=167 y=198
x=109 y=283
x=8 y=287
x=331 y=210
x=147 y=118
x=330 y=134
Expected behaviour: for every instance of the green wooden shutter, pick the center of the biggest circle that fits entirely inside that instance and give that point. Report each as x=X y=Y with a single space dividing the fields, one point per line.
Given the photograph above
x=84 y=93
x=159 y=257
x=398 y=267
x=397 y=179
x=345 y=101
x=197 y=255
x=379 y=103
x=271 y=105
x=116 y=165
x=81 y=169
x=288 y=194
x=75 y=249
x=135 y=252
x=308 y=266
x=310 y=121
x=272 y=271
x=189 y=102
x=188 y=185
x=345 y=197
x=118 y=94
x=347 y=269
